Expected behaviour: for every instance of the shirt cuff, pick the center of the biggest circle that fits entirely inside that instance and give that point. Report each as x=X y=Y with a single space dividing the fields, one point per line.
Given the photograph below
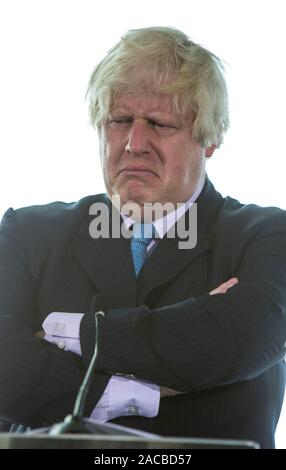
x=67 y=344
x=125 y=397
x=63 y=324
x=62 y=329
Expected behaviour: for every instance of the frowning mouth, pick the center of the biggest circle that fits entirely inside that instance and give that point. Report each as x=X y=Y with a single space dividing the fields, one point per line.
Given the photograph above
x=140 y=171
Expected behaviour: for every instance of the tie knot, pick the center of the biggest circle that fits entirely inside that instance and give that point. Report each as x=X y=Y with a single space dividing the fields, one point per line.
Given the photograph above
x=143 y=232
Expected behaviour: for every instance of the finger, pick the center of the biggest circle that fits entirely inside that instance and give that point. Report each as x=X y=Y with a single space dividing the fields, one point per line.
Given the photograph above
x=223 y=288
x=168 y=392
x=232 y=282
x=40 y=334
x=220 y=289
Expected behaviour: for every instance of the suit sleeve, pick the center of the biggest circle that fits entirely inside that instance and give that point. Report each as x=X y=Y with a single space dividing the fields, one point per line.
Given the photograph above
x=207 y=341
x=38 y=381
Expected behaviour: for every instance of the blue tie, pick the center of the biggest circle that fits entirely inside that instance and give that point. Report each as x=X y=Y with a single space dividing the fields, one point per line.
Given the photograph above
x=141 y=237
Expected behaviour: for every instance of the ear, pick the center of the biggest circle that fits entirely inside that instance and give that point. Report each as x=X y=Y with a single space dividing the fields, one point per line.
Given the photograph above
x=210 y=150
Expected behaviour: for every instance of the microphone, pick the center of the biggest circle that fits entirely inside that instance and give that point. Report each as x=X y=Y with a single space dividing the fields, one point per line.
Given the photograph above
x=75 y=422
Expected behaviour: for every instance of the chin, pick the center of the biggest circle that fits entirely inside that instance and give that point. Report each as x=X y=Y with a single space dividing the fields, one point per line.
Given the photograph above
x=136 y=193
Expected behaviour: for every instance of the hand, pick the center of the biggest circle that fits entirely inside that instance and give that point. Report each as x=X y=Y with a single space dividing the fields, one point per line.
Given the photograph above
x=40 y=334
x=223 y=288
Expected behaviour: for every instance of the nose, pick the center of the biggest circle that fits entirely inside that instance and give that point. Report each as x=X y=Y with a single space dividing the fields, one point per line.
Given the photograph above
x=138 y=140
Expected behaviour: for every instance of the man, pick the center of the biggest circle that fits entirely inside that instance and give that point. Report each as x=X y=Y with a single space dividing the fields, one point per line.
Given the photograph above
x=194 y=339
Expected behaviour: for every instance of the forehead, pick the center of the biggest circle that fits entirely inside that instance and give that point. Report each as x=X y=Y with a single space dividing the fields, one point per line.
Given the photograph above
x=145 y=104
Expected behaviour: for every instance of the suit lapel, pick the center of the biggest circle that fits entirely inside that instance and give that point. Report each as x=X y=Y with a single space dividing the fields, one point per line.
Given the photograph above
x=167 y=260
x=108 y=265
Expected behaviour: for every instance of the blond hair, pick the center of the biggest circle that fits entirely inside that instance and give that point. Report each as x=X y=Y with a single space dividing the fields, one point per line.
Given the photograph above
x=164 y=60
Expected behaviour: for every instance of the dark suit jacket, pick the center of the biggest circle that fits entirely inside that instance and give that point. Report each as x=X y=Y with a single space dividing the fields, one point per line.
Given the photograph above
x=225 y=351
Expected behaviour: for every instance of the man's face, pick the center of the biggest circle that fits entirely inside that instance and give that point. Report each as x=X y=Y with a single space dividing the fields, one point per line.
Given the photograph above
x=147 y=151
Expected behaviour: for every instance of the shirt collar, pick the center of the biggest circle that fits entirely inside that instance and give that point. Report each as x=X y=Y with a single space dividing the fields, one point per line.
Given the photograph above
x=164 y=224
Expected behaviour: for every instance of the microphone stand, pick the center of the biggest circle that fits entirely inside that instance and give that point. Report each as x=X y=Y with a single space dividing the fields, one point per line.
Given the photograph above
x=75 y=422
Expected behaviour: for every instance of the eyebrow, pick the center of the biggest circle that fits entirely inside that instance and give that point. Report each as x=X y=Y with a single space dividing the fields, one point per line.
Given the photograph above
x=152 y=115
x=120 y=108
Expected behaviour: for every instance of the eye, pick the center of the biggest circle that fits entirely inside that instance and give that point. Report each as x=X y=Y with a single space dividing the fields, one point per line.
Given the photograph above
x=161 y=128
x=120 y=122
x=157 y=124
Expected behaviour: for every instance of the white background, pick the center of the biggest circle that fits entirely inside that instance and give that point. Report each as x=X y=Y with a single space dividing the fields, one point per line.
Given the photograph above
x=48 y=49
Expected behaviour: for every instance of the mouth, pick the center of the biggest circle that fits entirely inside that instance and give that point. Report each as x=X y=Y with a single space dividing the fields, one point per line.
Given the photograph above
x=141 y=171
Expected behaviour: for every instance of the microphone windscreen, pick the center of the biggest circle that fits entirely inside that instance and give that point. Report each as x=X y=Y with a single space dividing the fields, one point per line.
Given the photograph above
x=99 y=303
